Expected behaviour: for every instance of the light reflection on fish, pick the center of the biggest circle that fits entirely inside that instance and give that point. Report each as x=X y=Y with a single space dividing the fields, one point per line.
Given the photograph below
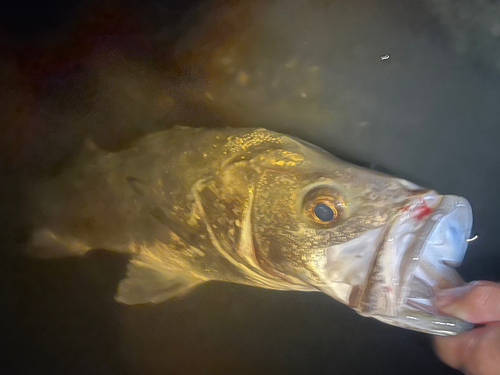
x=260 y=208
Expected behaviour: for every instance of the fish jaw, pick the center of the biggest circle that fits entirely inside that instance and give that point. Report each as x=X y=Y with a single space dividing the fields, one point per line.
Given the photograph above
x=391 y=273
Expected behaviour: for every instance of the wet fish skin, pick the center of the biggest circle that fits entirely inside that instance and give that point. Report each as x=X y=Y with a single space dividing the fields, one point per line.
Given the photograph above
x=193 y=205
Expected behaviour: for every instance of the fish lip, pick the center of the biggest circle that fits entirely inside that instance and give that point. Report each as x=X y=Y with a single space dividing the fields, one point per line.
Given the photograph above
x=414 y=259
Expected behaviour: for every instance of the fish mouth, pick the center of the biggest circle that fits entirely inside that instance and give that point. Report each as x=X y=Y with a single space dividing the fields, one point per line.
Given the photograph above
x=392 y=273
x=418 y=255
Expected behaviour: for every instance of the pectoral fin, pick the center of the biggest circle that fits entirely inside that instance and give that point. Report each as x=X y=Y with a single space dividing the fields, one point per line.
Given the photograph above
x=145 y=284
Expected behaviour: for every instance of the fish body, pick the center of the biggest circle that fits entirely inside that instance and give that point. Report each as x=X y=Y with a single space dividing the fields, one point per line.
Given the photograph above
x=260 y=208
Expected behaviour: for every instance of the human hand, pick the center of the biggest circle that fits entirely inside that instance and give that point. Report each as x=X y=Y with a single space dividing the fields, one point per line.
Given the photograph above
x=476 y=352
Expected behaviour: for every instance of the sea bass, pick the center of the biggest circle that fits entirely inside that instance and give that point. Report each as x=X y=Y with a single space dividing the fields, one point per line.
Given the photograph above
x=256 y=207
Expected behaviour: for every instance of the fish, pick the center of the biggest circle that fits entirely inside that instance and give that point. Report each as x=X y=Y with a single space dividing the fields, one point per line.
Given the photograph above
x=259 y=208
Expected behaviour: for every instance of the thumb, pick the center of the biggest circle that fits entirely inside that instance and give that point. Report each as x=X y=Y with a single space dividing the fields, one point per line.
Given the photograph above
x=476 y=302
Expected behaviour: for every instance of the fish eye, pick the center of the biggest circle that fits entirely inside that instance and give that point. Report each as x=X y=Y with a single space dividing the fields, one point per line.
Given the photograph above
x=324 y=206
x=324 y=213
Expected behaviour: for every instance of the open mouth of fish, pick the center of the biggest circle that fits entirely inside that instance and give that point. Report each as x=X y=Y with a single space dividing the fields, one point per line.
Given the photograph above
x=393 y=272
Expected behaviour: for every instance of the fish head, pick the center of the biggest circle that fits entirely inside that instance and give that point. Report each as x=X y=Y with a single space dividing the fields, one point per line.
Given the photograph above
x=379 y=244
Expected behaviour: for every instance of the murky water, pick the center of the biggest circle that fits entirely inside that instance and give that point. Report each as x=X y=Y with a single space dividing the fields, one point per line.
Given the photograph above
x=411 y=87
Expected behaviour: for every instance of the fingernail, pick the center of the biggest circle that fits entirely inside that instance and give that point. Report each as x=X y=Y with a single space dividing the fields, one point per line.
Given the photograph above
x=446 y=297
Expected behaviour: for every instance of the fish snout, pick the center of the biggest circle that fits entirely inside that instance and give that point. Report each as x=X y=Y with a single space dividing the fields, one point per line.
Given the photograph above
x=427 y=240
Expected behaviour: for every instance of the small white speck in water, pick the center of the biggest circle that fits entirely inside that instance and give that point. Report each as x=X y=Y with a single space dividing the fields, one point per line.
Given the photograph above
x=473 y=238
x=384 y=57
x=363 y=124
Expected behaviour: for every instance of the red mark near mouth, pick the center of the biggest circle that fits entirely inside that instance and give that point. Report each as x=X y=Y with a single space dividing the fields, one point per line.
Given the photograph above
x=422 y=211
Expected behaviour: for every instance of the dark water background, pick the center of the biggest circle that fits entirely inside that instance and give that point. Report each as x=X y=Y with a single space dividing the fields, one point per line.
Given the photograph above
x=115 y=70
